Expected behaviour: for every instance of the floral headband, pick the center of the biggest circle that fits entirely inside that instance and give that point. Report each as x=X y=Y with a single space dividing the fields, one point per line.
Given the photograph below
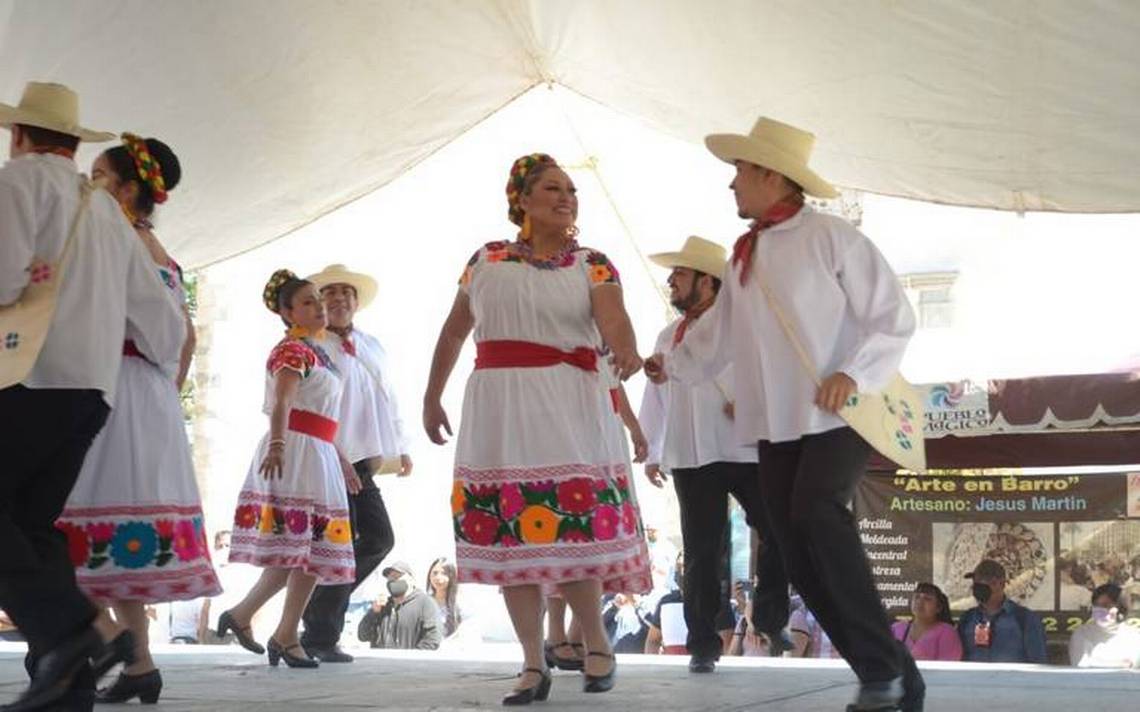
x=273 y=288
x=146 y=166
x=515 y=184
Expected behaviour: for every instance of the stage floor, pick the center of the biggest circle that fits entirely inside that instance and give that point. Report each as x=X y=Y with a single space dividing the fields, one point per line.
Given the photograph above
x=221 y=679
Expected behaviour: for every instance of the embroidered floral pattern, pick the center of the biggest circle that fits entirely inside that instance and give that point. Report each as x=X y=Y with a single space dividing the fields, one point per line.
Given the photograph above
x=601 y=270
x=295 y=355
x=134 y=544
x=40 y=272
x=11 y=340
x=598 y=267
x=574 y=510
x=270 y=520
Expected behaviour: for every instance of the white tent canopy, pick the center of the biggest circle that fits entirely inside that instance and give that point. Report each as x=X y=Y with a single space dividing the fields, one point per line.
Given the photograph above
x=284 y=110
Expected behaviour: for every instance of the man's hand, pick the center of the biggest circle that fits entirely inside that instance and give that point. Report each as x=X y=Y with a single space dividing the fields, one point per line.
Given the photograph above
x=655 y=369
x=834 y=391
x=656 y=476
x=380 y=602
x=352 y=481
x=406 y=464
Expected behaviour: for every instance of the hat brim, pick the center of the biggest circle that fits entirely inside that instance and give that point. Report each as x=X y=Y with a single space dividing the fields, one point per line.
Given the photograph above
x=669 y=260
x=731 y=148
x=364 y=285
x=14 y=115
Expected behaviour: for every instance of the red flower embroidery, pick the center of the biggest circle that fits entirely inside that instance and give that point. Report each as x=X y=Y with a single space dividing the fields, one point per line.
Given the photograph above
x=246 y=516
x=78 y=548
x=165 y=528
x=628 y=518
x=574 y=536
x=297 y=521
x=41 y=272
x=480 y=528
x=100 y=533
x=606 y=522
x=511 y=501
x=576 y=496
x=509 y=541
x=185 y=541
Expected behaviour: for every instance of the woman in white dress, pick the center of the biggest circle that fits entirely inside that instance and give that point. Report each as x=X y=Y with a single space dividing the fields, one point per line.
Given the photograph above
x=542 y=498
x=292 y=512
x=134 y=519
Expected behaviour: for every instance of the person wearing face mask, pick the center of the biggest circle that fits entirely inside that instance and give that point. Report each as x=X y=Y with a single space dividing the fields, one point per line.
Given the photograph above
x=407 y=619
x=999 y=630
x=1105 y=641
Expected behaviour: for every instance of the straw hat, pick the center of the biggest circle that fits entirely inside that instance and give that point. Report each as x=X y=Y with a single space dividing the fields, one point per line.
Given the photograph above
x=364 y=285
x=698 y=253
x=53 y=107
x=775 y=146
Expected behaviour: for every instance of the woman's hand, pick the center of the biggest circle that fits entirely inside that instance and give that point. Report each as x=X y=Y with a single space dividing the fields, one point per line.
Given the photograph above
x=434 y=419
x=271 y=466
x=640 y=445
x=625 y=363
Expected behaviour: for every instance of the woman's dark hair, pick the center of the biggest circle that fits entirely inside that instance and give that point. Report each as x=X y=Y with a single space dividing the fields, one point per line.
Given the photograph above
x=285 y=296
x=943 y=614
x=124 y=167
x=1113 y=592
x=453 y=619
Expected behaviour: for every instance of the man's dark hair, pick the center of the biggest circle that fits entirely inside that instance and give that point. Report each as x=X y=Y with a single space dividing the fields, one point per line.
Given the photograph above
x=1113 y=592
x=50 y=139
x=715 y=280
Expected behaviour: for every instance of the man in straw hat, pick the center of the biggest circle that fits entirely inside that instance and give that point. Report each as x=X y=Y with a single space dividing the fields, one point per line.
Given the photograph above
x=828 y=283
x=689 y=428
x=57 y=408
x=371 y=433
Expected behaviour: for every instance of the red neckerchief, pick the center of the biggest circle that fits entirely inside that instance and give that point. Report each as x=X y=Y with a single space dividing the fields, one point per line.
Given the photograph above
x=346 y=342
x=784 y=209
x=57 y=150
x=690 y=316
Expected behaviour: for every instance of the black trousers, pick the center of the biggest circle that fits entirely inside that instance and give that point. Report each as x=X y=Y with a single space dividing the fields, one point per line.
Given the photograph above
x=806 y=487
x=372 y=539
x=46 y=434
x=703 y=497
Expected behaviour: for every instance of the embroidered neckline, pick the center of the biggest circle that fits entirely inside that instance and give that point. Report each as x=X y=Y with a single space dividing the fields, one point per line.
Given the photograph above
x=563 y=258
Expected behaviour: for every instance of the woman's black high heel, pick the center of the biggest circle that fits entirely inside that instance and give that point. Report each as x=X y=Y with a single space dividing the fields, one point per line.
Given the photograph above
x=146 y=687
x=277 y=652
x=600 y=683
x=538 y=693
x=244 y=635
x=120 y=649
x=554 y=660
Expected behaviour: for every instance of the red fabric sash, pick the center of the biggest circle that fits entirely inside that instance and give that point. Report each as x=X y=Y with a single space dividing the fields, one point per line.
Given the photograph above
x=745 y=244
x=691 y=316
x=131 y=349
x=308 y=423
x=526 y=354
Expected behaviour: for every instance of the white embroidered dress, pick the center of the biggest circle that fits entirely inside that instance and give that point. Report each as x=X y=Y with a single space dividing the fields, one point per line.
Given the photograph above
x=299 y=520
x=542 y=491
x=134 y=518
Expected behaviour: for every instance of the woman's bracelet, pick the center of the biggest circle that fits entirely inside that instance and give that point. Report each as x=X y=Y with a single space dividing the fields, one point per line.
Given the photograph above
x=277 y=441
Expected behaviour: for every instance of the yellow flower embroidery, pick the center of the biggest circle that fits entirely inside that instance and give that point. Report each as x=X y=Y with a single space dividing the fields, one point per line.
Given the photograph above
x=458 y=500
x=599 y=274
x=339 y=531
x=266 y=526
x=538 y=525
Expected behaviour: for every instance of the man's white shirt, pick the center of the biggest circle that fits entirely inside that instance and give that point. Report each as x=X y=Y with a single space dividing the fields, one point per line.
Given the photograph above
x=111 y=280
x=685 y=424
x=846 y=304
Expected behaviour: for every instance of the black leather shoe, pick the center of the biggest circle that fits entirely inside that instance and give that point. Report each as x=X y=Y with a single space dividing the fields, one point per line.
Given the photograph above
x=554 y=660
x=538 y=693
x=121 y=649
x=244 y=635
x=278 y=652
x=146 y=687
x=57 y=670
x=702 y=663
x=328 y=655
x=600 y=683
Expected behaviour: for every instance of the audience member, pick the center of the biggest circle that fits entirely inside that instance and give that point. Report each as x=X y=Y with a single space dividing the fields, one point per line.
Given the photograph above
x=407 y=618
x=624 y=623
x=998 y=630
x=1105 y=640
x=667 y=629
x=443 y=586
x=930 y=634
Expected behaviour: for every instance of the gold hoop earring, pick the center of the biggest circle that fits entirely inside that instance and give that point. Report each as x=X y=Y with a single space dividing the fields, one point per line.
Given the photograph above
x=572 y=232
x=524 y=233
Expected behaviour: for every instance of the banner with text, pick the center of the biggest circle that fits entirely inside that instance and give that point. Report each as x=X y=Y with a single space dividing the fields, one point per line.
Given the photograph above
x=1057 y=536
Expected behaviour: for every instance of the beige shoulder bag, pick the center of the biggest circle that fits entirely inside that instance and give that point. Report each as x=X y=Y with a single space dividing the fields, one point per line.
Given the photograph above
x=891 y=421
x=24 y=324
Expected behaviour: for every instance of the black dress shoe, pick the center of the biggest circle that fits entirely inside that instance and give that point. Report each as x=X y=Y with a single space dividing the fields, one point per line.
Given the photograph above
x=328 y=655
x=600 y=683
x=702 y=663
x=554 y=660
x=278 y=652
x=538 y=693
x=56 y=672
x=121 y=649
x=244 y=635
x=146 y=687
